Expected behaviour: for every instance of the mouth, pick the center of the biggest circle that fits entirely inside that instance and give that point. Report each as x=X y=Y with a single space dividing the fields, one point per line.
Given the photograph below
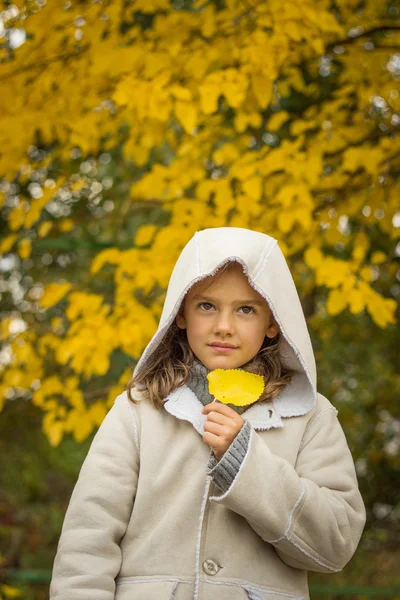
x=224 y=349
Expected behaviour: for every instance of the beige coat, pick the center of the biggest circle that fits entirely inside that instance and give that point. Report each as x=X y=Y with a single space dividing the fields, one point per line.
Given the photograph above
x=146 y=522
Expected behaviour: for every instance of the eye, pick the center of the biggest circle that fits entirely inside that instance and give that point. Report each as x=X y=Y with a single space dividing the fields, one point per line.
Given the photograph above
x=250 y=307
x=204 y=304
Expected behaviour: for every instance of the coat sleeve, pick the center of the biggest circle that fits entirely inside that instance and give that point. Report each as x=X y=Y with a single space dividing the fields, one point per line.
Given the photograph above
x=88 y=556
x=313 y=514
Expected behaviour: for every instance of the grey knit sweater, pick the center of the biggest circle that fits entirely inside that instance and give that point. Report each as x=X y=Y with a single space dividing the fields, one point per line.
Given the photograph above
x=223 y=471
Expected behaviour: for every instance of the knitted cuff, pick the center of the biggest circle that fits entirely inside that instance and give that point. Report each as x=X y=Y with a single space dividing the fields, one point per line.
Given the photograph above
x=225 y=470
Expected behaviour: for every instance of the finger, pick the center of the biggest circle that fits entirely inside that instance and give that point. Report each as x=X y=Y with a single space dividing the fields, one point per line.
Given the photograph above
x=217 y=417
x=219 y=407
x=214 y=428
x=211 y=440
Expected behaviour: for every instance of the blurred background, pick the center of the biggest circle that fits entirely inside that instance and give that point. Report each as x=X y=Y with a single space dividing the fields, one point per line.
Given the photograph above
x=126 y=126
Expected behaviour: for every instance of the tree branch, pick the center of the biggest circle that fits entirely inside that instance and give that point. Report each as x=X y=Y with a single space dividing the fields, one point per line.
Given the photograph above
x=363 y=34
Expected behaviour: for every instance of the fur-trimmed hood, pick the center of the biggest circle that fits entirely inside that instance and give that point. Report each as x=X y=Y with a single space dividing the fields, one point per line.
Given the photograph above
x=268 y=273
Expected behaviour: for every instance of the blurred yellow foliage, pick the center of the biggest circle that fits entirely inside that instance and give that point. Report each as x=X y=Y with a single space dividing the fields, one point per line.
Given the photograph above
x=227 y=124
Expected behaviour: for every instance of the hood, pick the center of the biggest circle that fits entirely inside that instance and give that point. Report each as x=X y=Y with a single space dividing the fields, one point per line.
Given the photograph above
x=268 y=273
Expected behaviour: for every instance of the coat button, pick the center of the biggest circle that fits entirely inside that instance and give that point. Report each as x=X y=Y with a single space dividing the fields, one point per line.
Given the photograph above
x=210 y=567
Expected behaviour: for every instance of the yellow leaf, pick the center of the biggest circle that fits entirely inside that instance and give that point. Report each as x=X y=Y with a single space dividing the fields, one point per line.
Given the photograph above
x=360 y=246
x=53 y=429
x=209 y=95
x=378 y=257
x=292 y=30
x=336 y=303
x=277 y=120
x=111 y=255
x=313 y=257
x=97 y=412
x=356 y=300
x=232 y=386
x=53 y=293
x=10 y=592
x=44 y=228
x=145 y=235
x=186 y=114
x=66 y=225
x=83 y=428
x=262 y=88
x=7 y=243
x=253 y=187
x=382 y=310
x=25 y=248
x=299 y=126
x=367 y=273
x=180 y=92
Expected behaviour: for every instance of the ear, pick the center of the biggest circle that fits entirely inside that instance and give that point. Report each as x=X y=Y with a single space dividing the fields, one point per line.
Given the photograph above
x=180 y=321
x=272 y=329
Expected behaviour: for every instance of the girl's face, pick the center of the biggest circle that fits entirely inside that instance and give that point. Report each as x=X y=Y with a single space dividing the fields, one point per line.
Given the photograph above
x=226 y=309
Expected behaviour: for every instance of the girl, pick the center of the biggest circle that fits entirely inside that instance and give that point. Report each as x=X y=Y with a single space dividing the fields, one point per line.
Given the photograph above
x=183 y=498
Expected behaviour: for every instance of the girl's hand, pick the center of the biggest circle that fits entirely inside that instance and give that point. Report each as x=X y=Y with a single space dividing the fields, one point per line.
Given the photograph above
x=222 y=426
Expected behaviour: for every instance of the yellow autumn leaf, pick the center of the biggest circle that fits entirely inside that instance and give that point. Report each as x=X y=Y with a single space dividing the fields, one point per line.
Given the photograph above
x=83 y=428
x=111 y=255
x=96 y=412
x=25 y=248
x=276 y=121
x=232 y=386
x=180 y=92
x=10 y=592
x=53 y=429
x=145 y=235
x=313 y=257
x=209 y=95
x=186 y=114
x=53 y=293
x=378 y=257
x=356 y=300
x=367 y=273
x=262 y=88
x=7 y=243
x=44 y=228
x=337 y=302
x=253 y=187
x=382 y=310
x=66 y=225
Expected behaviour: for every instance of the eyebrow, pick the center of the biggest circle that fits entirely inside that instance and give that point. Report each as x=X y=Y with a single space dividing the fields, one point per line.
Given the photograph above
x=209 y=299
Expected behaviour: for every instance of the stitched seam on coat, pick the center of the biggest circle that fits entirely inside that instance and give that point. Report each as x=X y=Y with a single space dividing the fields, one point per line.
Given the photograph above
x=172 y=597
x=311 y=556
x=161 y=580
x=312 y=421
x=253 y=588
x=198 y=541
x=237 y=474
x=295 y=506
x=290 y=516
x=135 y=431
x=266 y=257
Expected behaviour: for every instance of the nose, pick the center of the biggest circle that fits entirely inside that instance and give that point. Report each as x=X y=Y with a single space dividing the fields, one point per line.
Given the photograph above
x=224 y=323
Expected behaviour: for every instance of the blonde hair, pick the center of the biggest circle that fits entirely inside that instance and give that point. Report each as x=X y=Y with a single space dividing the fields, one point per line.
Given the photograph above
x=168 y=367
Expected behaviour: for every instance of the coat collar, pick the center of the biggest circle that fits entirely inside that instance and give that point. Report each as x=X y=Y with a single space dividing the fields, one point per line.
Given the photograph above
x=182 y=403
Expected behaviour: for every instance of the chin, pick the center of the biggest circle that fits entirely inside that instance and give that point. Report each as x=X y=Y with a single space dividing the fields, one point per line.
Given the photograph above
x=222 y=362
